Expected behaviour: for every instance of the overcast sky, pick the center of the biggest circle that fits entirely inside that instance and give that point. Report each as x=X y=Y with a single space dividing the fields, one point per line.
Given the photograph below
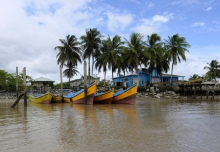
x=31 y=29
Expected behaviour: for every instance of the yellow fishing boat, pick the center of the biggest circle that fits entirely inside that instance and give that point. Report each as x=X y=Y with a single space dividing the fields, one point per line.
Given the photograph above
x=104 y=97
x=41 y=98
x=127 y=96
x=79 y=96
x=57 y=98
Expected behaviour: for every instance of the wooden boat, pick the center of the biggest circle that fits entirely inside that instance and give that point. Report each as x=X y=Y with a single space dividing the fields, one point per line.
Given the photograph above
x=57 y=98
x=127 y=96
x=79 y=96
x=68 y=97
x=41 y=98
x=104 y=97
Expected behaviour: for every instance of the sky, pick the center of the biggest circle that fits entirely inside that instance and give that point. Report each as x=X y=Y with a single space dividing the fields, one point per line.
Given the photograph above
x=31 y=29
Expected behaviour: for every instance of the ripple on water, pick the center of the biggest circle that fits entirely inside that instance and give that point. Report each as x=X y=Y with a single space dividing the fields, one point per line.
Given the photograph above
x=149 y=125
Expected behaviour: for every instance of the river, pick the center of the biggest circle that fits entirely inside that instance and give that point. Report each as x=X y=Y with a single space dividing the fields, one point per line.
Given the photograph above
x=151 y=125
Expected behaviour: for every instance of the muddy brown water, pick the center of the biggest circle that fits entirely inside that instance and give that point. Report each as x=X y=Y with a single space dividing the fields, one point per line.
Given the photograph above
x=151 y=125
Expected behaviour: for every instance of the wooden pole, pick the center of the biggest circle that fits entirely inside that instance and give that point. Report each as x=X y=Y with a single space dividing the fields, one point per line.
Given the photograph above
x=61 y=80
x=17 y=81
x=24 y=82
x=19 y=97
x=85 y=83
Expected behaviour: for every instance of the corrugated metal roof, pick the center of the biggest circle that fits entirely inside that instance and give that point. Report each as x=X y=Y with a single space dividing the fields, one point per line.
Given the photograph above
x=43 y=79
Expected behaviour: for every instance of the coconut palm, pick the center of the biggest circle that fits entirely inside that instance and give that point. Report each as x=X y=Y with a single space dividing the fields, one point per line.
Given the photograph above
x=156 y=54
x=70 y=71
x=134 y=52
x=194 y=77
x=90 y=44
x=111 y=55
x=176 y=47
x=69 y=51
x=99 y=64
x=213 y=70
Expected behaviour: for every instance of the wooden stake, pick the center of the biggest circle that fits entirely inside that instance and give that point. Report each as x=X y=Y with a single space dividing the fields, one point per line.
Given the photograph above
x=19 y=97
x=85 y=83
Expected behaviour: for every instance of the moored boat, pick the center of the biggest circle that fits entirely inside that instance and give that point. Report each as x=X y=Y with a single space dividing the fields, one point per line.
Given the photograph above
x=41 y=98
x=127 y=96
x=79 y=96
x=104 y=97
x=57 y=98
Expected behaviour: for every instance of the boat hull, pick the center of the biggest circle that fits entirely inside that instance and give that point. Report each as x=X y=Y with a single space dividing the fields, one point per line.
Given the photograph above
x=127 y=100
x=82 y=100
x=79 y=98
x=42 y=99
x=57 y=99
x=105 y=98
x=126 y=97
x=68 y=100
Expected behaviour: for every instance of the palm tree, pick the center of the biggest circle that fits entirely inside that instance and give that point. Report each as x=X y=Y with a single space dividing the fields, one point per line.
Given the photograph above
x=70 y=71
x=134 y=52
x=156 y=54
x=111 y=55
x=213 y=70
x=69 y=51
x=194 y=77
x=176 y=47
x=90 y=44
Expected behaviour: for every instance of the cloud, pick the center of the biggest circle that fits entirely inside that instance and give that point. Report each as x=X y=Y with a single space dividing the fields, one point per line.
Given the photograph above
x=153 y=24
x=185 y=2
x=208 y=9
x=118 y=22
x=149 y=5
x=28 y=37
x=196 y=24
x=135 y=1
x=195 y=61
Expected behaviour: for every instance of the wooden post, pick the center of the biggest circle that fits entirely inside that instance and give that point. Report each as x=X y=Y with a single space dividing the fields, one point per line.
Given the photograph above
x=85 y=83
x=19 y=97
x=61 y=80
x=17 y=81
x=24 y=82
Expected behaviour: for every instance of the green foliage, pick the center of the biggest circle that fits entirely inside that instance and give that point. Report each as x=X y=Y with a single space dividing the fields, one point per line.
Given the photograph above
x=105 y=83
x=194 y=77
x=122 y=56
x=213 y=70
x=8 y=81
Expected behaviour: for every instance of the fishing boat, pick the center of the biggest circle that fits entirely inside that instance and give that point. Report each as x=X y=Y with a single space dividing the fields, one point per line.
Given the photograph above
x=67 y=98
x=57 y=98
x=104 y=97
x=79 y=96
x=41 y=98
x=127 y=96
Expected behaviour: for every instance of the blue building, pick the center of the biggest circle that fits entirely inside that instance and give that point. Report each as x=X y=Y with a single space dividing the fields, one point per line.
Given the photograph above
x=144 y=78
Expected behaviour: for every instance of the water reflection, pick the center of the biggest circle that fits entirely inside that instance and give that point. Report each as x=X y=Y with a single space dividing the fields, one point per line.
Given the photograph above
x=150 y=125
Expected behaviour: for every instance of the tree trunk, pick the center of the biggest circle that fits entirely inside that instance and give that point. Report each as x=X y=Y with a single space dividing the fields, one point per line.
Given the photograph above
x=92 y=64
x=85 y=84
x=61 y=80
x=112 y=76
x=89 y=70
x=104 y=77
x=171 y=74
